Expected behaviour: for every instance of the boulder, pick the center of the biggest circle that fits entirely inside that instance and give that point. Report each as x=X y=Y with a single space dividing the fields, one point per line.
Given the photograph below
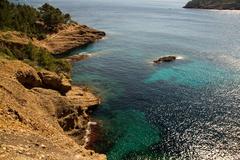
x=53 y=81
x=165 y=59
x=65 y=84
x=28 y=78
x=81 y=96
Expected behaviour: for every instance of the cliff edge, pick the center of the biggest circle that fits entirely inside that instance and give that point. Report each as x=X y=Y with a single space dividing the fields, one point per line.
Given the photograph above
x=69 y=37
x=37 y=121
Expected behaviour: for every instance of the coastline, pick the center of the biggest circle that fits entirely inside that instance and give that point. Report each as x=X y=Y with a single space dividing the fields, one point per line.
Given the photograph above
x=199 y=4
x=70 y=37
x=67 y=108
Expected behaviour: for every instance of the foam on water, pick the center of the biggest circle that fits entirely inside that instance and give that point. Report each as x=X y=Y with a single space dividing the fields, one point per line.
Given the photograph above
x=180 y=57
x=88 y=132
x=231 y=12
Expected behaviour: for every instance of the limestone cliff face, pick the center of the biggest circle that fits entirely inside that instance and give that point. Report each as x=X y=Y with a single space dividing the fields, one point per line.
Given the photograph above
x=38 y=122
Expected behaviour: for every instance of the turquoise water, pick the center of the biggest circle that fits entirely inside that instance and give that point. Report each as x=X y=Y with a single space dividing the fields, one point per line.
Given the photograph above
x=188 y=109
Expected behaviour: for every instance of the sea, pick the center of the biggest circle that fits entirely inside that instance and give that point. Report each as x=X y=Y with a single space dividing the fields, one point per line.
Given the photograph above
x=186 y=109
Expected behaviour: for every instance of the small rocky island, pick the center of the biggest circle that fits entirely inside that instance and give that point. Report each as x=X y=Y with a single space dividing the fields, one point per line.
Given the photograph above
x=165 y=59
x=214 y=4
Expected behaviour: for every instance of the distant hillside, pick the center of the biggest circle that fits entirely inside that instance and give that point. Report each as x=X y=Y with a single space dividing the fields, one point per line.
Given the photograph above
x=214 y=4
x=34 y=22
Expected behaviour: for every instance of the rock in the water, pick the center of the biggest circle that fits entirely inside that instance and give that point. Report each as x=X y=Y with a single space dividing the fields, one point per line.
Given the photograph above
x=165 y=59
x=77 y=58
x=53 y=81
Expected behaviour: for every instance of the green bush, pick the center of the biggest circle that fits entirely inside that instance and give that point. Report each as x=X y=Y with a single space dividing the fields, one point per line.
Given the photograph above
x=52 y=17
x=34 y=22
x=37 y=57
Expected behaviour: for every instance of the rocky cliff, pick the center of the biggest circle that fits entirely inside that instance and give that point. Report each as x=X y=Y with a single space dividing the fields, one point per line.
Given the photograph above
x=71 y=36
x=214 y=4
x=68 y=37
x=39 y=121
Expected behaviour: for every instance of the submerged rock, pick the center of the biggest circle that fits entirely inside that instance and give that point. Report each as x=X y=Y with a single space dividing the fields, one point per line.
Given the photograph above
x=77 y=58
x=165 y=59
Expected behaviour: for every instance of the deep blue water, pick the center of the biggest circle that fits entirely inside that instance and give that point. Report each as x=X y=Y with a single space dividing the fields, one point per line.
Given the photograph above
x=188 y=109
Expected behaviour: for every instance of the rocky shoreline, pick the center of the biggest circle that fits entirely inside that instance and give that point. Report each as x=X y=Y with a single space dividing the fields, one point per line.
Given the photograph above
x=70 y=37
x=50 y=122
x=43 y=106
x=211 y=4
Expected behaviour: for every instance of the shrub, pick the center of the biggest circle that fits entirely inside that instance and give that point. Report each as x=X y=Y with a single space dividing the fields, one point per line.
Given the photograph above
x=34 y=22
x=35 y=56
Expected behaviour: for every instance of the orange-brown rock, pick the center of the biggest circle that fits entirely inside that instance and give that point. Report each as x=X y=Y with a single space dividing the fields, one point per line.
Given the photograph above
x=28 y=77
x=71 y=36
x=53 y=81
x=89 y=100
x=34 y=120
x=68 y=37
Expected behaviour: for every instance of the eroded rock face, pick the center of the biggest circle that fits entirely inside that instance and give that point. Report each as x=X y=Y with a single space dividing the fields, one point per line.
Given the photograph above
x=65 y=84
x=53 y=81
x=30 y=118
x=74 y=119
x=28 y=77
x=74 y=123
x=165 y=59
x=83 y=97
